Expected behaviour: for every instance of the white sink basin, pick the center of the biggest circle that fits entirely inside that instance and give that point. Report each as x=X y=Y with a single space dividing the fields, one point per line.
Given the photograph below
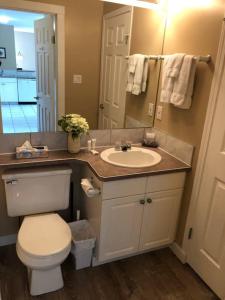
x=134 y=158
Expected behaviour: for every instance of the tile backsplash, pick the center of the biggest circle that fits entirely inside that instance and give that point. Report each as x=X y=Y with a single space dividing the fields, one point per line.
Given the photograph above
x=9 y=142
x=58 y=140
x=174 y=146
x=54 y=140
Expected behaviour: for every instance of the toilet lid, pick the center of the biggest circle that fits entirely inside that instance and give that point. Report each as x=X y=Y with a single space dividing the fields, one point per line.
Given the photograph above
x=45 y=234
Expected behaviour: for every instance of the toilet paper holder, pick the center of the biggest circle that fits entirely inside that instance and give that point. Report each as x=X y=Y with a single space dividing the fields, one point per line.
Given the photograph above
x=87 y=185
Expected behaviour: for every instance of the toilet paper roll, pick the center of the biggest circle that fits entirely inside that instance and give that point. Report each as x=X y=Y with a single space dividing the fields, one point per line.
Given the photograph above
x=88 y=188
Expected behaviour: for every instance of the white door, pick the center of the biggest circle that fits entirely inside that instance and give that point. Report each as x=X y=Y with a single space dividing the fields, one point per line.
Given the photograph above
x=115 y=47
x=44 y=47
x=121 y=225
x=160 y=219
x=207 y=245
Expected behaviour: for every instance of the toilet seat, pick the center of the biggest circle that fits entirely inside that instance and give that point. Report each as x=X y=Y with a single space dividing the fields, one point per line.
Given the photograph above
x=43 y=240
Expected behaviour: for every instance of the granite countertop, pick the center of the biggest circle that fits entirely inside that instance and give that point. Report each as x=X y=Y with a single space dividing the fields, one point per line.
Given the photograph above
x=103 y=170
x=19 y=74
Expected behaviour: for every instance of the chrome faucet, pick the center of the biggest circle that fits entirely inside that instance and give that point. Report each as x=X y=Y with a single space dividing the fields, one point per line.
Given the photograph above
x=123 y=146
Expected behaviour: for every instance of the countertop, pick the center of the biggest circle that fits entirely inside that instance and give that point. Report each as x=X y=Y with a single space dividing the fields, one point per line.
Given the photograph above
x=103 y=170
x=19 y=74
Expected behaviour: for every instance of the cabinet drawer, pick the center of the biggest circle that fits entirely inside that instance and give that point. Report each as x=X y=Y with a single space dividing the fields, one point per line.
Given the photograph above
x=165 y=182
x=125 y=187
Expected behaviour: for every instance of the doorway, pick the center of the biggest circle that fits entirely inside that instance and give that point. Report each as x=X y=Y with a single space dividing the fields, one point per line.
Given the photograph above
x=26 y=87
x=26 y=94
x=115 y=47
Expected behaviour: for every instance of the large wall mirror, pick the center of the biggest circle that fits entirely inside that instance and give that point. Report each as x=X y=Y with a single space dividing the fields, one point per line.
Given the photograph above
x=98 y=48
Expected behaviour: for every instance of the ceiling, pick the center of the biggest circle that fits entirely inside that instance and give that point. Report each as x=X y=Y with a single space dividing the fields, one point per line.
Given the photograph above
x=22 y=21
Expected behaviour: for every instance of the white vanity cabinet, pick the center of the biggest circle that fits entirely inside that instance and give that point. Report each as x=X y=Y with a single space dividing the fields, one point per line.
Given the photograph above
x=134 y=215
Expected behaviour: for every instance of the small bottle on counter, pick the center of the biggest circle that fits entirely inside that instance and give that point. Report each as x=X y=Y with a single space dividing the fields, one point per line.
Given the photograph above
x=93 y=144
x=89 y=145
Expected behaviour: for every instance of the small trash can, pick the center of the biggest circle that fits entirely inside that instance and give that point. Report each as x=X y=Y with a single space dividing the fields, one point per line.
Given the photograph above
x=82 y=244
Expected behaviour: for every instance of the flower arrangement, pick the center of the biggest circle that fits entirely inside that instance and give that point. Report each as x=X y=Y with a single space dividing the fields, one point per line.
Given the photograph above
x=74 y=124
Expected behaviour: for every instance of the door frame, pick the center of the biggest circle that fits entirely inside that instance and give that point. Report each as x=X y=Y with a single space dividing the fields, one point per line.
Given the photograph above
x=216 y=84
x=59 y=12
x=114 y=13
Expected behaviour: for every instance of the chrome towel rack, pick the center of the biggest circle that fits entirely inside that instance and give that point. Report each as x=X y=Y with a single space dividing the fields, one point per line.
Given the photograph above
x=206 y=59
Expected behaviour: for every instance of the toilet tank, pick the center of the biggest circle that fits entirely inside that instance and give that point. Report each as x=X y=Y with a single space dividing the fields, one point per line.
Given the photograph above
x=37 y=190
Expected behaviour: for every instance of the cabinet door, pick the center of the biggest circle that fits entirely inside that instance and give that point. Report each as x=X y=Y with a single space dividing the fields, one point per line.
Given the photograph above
x=120 y=227
x=27 y=90
x=160 y=219
x=8 y=90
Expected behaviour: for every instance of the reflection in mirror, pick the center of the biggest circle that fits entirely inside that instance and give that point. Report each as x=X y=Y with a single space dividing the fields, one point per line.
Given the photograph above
x=128 y=31
x=28 y=72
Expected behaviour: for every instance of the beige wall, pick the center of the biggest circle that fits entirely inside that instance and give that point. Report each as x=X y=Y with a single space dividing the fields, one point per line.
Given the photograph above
x=192 y=31
x=83 y=48
x=147 y=38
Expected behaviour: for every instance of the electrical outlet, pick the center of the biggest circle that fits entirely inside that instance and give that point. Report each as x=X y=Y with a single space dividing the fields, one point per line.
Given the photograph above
x=159 y=112
x=151 y=109
x=77 y=79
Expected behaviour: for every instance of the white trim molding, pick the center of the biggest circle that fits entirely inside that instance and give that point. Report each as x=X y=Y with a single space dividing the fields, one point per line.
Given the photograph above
x=8 y=239
x=179 y=252
x=216 y=83
x=59 y=12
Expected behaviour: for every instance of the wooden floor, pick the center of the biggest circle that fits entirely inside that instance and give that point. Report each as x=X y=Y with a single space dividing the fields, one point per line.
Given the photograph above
x=152 y=276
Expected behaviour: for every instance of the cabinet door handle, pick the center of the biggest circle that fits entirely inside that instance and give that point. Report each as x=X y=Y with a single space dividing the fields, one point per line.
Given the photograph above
x=149 y=200
x=142 y=201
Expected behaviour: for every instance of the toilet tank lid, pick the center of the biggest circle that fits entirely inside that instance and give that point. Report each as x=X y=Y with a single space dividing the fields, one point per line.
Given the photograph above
x=36 y=172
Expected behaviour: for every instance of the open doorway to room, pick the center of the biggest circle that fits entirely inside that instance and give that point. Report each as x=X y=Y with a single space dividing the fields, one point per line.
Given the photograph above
x=27 y=75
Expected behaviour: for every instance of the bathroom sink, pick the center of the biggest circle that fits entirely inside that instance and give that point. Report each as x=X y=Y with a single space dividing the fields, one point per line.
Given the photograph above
x=134 y=158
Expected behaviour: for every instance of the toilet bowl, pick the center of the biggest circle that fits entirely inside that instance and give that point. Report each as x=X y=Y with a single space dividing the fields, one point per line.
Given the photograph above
x=44 y=238
x=43 y=243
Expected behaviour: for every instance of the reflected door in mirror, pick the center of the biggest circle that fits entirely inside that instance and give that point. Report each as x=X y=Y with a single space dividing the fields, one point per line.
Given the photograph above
x=115 y=47
x=44 y=42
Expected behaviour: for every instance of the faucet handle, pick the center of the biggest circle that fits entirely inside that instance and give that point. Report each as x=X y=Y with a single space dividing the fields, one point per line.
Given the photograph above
x=117 y=146
x=129 y=145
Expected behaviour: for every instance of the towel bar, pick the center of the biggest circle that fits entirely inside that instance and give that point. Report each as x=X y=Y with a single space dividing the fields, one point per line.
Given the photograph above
x=206 y=59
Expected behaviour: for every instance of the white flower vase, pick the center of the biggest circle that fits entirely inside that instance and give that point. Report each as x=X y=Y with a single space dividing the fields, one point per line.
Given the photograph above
x=73 y=144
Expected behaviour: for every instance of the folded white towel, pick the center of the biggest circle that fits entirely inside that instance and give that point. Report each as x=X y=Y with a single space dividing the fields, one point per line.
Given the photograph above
x=140 y=76
x=171 y=68
x=132 y=63
x=145 y=75
x=184 y=84
x=174 y=66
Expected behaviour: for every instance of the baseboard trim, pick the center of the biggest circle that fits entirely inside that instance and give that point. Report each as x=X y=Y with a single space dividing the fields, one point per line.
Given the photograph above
x=179 y=252
x=8 y=239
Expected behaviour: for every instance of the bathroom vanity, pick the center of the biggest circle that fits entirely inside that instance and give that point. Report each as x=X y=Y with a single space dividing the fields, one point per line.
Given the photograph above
x=137 y=208
x=133 y=215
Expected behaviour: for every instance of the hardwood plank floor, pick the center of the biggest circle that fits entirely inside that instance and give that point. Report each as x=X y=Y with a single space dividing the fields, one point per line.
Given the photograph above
x=153 y=276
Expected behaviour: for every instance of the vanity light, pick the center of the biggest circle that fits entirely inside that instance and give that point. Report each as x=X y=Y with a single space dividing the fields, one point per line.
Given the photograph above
x=137 y=3
x=4 y=19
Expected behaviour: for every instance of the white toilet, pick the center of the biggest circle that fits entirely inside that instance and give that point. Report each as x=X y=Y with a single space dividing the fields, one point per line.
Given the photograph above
x=44 y=238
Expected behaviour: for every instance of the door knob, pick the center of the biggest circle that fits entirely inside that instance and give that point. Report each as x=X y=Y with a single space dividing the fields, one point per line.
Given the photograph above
x=142 y=201
x=101 y=106
x=37 y=97
x=149 y=200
